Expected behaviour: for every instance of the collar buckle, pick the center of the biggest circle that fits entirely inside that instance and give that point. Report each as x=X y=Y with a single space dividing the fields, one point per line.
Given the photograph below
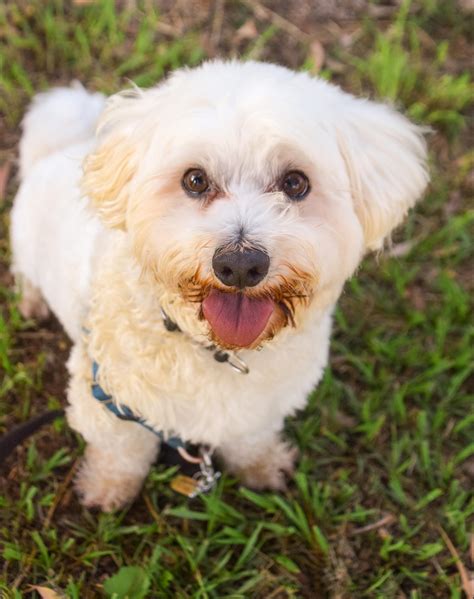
x=237 y=363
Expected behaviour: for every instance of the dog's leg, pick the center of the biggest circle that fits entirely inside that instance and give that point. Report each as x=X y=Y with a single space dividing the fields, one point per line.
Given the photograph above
x=32 y=303
x=118 y=455
x=260 y=464
x=111 y=477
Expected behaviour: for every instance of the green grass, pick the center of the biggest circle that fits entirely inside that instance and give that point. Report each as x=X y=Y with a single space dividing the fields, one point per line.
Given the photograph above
x=386 y=439
x=396 y=68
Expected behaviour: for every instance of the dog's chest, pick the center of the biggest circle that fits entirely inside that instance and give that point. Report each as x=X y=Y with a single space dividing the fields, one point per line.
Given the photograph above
x=178 y=386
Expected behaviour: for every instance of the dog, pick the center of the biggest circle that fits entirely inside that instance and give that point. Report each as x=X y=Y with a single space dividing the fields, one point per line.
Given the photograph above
x=193 y=240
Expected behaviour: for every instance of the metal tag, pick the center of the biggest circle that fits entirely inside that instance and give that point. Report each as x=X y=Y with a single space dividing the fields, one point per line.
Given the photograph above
x=185 y=485
x=202 y=482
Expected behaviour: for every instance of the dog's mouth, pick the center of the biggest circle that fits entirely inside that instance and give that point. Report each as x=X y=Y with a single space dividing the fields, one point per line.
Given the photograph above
x=249 y=318
x=237 y=320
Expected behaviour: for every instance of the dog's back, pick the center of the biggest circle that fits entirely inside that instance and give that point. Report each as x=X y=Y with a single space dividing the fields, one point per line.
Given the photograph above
x=49 y=213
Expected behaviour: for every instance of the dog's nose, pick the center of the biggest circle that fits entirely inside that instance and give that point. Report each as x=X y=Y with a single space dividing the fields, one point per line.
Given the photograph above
x=240 y=268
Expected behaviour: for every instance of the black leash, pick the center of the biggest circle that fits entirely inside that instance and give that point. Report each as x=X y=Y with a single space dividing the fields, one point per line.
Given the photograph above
x=9 y=441
x=21 y=432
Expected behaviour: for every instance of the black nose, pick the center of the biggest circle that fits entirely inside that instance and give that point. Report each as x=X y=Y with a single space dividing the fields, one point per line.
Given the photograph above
x=240 y=268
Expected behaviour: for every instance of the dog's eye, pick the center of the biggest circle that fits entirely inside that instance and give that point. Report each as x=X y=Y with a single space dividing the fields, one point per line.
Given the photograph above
x=295 y=185
x=195 y=182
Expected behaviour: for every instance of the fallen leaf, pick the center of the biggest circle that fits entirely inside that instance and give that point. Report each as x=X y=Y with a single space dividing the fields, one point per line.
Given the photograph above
x=248 y=31
x=46 y=593
x=401 y=249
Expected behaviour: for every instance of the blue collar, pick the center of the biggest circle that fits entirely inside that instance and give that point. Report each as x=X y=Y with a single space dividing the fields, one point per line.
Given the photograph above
x=125 y=413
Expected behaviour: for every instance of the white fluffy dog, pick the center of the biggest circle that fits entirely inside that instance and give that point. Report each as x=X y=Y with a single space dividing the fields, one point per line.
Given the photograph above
x=231 y=203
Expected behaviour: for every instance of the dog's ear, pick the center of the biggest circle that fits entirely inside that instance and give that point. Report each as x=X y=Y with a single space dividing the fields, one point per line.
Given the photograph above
x=385 y=156
x=110 y=168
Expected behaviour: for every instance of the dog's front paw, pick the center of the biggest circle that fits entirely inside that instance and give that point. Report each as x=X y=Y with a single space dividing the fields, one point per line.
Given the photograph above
x=99 y=487
x=271 y=469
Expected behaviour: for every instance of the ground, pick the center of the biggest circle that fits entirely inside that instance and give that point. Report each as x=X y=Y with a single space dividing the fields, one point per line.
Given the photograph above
x=381 y=502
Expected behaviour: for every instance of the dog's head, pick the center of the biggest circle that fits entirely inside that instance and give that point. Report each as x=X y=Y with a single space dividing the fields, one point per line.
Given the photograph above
x=252 y=191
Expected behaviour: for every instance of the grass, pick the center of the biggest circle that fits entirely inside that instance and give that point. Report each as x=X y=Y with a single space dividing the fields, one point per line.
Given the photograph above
x=381 y=502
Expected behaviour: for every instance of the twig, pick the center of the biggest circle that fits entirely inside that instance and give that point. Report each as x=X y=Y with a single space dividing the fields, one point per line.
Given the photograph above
x=217 y=21
x=5 y=170
x=167 y=29
x=59 y=495
x=263 y=11
x=154 y=514
x=37 y=333
x=467 y=582
x=25 y=570
x=278 y=592
x=471 y=549
x=381 y=11
x=385 y=521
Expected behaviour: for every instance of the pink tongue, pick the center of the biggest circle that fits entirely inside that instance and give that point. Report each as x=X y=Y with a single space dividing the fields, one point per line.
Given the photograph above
x=236 y=319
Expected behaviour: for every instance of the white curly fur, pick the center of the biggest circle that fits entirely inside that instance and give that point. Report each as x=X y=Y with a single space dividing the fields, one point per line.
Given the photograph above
x=132 y=242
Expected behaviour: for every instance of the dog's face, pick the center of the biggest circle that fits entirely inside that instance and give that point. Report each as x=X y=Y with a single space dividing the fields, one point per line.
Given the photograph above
x=252 y=191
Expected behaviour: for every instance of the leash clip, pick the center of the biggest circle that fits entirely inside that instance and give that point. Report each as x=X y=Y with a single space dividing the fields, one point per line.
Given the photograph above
x=202 y=481
x=207 y=477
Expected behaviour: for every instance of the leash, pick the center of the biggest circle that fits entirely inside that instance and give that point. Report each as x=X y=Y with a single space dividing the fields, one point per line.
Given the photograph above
x=21 y=432
x=197 y=472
